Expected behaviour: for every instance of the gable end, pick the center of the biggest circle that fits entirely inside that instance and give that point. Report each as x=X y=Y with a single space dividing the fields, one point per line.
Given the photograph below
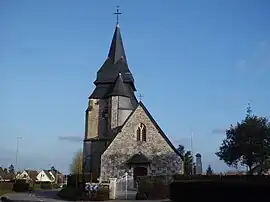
x=157 y=127
x=160 y=130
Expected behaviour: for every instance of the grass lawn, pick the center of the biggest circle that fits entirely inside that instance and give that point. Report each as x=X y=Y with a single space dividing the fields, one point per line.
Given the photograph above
x=37 y=188
x=2 y=192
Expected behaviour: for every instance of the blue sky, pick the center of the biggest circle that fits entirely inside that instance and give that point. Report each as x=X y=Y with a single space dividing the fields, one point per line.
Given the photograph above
x=197 y=63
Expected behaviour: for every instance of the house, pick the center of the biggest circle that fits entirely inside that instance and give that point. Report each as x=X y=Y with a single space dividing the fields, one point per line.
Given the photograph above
x=50 y=176
x=5 y=175
x=2 y=174
x=45 y=176
x=29 y=175
x=58 y=176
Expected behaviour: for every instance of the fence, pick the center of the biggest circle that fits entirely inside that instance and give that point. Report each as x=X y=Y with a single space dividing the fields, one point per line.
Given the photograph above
x=124 y=184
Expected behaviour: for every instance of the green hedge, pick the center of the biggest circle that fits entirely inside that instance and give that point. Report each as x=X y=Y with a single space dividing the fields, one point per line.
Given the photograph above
x=70 y=193
x=221 y=177
x=6 y=186
x=152 y=189
x=74 y=180
x=20 y=187
x=219 y=190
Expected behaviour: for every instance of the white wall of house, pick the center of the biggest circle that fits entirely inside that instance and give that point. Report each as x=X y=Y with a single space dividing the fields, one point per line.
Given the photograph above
x=42 y=177
x=24 y=176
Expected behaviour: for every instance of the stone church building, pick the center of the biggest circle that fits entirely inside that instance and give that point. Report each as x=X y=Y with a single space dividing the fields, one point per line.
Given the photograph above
x=120 y=133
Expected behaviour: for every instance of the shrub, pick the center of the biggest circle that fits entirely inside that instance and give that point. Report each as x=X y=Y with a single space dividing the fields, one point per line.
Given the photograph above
x=155 y=188
x=220 y=177
x=71 y=181
x=20 y=187
x=74 y=180
x=70 y=193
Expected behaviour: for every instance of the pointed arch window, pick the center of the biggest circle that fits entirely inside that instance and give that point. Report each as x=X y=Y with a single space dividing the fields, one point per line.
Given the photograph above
x=144 y=134
x=141 y=133
x=138 y=134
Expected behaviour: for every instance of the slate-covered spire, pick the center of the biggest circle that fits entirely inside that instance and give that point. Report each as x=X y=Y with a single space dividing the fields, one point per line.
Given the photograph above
x=120 y=88
x=115 y=63
x=117 y=51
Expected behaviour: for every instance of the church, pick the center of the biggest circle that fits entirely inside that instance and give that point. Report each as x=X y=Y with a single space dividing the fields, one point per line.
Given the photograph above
x=120 y=133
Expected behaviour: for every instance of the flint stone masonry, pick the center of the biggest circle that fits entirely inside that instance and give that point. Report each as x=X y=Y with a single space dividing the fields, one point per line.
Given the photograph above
x=114 y=112
x=164 y=160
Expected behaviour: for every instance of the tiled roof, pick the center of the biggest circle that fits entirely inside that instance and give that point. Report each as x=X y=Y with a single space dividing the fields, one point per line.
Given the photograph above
x=32 y=174
x=5 y=175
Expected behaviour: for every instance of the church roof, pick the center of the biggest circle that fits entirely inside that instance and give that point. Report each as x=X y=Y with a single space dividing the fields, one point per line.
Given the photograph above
x=101 y=91
x=108 y=74
x=157 y=126
x=138 y=159
x=117 y=50
x=115 y=63
x=120 y=88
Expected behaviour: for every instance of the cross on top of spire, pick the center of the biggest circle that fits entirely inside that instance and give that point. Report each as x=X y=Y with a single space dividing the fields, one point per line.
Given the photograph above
x=140 y=97
x=117 y=13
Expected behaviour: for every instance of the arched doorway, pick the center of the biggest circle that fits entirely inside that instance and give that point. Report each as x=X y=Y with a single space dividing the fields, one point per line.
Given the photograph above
x=138 y=171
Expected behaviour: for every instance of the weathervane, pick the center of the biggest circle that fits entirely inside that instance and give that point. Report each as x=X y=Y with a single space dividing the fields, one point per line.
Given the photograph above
x=117 y=13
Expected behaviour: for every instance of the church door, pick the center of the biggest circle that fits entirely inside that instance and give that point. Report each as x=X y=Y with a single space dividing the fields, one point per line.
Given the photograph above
x=138 y=171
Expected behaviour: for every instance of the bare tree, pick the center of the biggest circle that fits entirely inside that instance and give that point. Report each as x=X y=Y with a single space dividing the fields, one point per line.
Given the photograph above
x=77 y=163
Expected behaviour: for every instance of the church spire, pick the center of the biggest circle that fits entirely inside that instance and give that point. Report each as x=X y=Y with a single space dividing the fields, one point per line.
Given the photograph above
x=114 y=64
x=117 y=51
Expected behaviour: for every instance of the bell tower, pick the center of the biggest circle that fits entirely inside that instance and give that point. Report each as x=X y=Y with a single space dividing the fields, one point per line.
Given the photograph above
x=109 y=105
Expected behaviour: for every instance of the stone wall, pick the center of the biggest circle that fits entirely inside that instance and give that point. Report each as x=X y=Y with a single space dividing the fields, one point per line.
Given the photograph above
x=114 y=112
x=164 y=160
x=92 y=119
x=96 y=122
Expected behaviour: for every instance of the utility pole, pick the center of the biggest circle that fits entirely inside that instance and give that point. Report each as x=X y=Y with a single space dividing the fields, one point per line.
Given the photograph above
x=17 y=154
x=191 y=148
